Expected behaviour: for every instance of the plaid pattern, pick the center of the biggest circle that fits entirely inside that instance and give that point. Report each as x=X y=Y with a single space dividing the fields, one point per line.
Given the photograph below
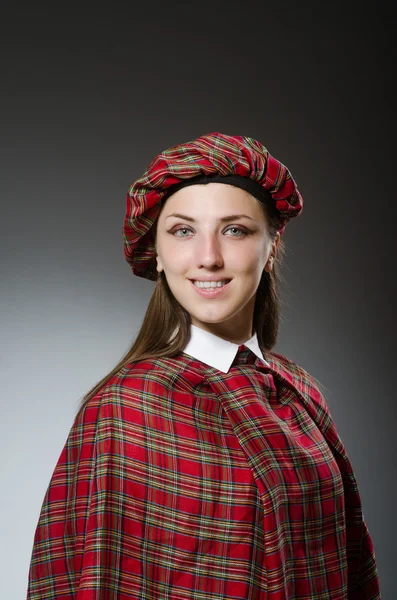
x=179 y=482
x=208 y=154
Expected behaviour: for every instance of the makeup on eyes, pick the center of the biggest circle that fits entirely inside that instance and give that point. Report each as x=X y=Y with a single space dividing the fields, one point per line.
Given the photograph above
x=243 y=230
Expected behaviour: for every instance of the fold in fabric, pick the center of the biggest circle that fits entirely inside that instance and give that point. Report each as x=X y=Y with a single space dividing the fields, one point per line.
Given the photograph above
x=180 y=482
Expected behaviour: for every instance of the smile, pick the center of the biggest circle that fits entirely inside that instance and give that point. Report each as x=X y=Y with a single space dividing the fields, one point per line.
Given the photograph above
x=210 y=289
x=210 y=284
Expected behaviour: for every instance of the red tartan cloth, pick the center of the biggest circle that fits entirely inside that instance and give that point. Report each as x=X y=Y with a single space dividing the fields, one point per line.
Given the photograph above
x=179 y=482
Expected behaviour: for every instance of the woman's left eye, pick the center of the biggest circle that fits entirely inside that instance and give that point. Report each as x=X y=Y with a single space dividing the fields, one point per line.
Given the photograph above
x=239 y=229
x=236 y=228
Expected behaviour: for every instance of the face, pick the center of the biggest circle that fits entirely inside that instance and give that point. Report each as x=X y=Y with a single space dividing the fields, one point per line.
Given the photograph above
x=204 y=243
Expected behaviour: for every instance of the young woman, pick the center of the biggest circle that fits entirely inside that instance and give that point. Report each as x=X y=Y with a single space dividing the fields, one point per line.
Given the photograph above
x=205 y=466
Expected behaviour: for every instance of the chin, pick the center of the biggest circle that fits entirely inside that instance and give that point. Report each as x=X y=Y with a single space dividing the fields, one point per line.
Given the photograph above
x=213 y=318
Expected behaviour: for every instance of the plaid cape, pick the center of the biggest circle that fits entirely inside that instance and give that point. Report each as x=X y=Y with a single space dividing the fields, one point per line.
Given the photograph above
x=180 y=482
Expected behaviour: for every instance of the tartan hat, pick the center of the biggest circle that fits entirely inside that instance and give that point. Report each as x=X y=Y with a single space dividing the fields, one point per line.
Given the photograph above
x=211 y=154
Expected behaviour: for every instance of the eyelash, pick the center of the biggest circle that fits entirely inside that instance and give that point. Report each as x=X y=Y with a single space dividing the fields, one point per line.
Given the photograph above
x=245 y=232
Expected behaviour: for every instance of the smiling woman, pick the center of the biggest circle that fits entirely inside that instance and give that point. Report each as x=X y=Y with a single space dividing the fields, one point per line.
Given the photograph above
x=211 y=251
x=205 y=465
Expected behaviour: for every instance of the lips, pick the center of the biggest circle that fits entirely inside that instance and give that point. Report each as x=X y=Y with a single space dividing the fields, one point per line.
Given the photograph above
x=210 y=292
x=224 y=282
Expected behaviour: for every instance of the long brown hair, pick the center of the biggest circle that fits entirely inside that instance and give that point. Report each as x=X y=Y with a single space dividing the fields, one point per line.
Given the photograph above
x=165 y=316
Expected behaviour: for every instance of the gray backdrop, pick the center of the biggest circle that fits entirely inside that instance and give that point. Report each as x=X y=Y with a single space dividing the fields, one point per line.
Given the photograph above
x=88 y=99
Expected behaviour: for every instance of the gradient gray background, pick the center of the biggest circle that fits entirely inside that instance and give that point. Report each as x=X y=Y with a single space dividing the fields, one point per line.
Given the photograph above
x=88 y=99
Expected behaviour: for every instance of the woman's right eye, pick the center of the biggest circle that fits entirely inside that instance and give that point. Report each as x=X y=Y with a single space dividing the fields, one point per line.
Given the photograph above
x=181 y=229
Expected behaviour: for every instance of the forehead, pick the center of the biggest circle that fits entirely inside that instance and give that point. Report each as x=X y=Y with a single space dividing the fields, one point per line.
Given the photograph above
x=213 y=197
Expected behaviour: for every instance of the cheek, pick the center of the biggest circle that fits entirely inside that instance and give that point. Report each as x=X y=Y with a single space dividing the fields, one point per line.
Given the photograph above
x=177 y=261
x=250 y=261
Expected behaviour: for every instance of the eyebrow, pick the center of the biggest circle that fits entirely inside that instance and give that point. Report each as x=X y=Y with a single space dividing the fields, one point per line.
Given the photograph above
x=222 y=220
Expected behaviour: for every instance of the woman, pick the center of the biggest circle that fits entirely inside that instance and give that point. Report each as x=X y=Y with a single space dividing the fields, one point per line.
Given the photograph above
x=205 y=466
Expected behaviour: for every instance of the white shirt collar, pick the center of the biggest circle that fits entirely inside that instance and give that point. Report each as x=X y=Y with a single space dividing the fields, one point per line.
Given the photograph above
x=215 y=351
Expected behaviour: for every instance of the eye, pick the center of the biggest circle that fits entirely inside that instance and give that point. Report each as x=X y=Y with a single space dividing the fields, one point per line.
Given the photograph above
x=180 y=229
x=243 y=231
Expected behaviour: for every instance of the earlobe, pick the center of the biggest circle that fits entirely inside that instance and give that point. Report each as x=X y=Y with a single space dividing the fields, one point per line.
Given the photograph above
x=159 y=267
x=269 y=265
x=272 y=255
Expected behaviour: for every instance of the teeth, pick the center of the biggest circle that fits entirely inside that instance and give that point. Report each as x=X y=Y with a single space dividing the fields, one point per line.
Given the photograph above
x=210 y=284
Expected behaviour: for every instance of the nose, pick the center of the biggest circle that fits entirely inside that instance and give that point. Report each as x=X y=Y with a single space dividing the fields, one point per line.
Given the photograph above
x=209 y=252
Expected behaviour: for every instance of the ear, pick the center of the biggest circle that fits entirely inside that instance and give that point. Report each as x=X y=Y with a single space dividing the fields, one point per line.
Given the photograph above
x=269 y=264
x=276 y=243
x=159 y=264
x=272 y=254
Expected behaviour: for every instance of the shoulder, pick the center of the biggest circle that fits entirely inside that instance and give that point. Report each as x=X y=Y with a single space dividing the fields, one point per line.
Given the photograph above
x=283 y=363
x=299 y=377
x=117 y=405
x=146 y=381
x=139 y=393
